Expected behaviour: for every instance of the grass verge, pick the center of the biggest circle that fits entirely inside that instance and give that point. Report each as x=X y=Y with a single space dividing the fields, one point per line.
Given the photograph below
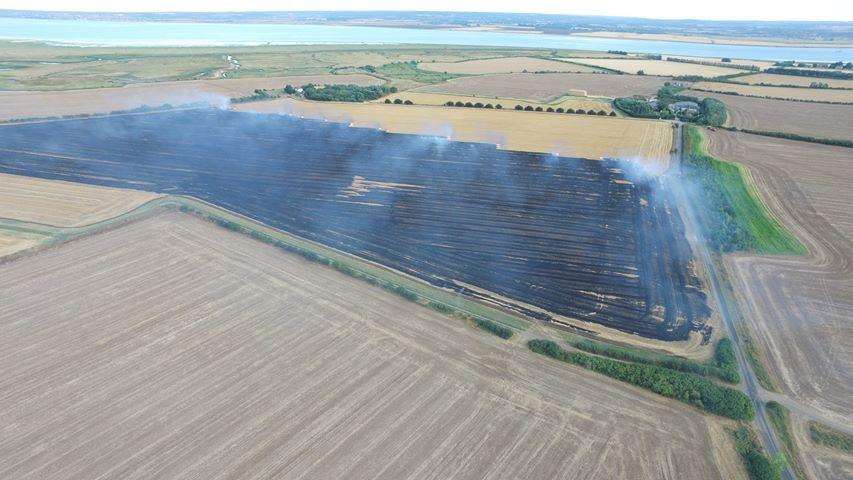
x=758 y=465
x=724 y=366
x=830 y=437
x=780 y=418
x=756 y=361
x=684 y=387
x=736 y=218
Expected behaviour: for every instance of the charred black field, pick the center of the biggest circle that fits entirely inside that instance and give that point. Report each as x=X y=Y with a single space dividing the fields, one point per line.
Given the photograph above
x=539 y=234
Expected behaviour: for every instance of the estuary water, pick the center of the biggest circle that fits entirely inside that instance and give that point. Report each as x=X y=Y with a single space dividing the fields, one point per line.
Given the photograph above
x=101 y=33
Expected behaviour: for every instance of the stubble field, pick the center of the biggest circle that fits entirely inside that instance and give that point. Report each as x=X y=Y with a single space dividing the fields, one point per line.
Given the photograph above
x=783 y=93
x=657 y=67
x=813 y=119
x=63 y=204
x=170 y=348
x=31 y=104
x=799 y=306
x=505 y=65
x=546 y=87
x=774 y=79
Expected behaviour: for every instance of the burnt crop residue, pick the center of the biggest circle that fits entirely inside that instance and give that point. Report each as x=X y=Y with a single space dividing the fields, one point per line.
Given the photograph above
x=569 y=236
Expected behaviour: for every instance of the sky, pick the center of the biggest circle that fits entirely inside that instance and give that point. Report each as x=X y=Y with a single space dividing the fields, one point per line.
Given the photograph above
x=710 y=10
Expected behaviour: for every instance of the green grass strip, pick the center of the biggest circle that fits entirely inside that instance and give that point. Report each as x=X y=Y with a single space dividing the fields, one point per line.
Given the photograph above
x=724 y=366
x=738 y=220
x=780 y=418
x=684 y=387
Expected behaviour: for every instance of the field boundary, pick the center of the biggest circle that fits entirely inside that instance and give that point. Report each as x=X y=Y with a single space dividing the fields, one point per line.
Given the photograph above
x=406 y=286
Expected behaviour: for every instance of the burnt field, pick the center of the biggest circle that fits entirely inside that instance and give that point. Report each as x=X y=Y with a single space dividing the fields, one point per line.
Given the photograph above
x=535 y=233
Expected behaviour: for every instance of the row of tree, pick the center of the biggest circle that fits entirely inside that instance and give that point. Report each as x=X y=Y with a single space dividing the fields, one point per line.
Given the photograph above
x=684 y=387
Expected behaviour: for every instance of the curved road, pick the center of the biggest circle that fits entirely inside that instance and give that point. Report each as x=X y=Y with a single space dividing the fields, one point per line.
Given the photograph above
x=694 y=235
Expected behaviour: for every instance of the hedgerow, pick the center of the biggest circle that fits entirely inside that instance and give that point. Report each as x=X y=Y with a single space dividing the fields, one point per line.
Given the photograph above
x=690 y=389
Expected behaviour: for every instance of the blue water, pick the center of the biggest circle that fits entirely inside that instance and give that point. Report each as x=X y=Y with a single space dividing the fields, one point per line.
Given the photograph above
x=181 y=34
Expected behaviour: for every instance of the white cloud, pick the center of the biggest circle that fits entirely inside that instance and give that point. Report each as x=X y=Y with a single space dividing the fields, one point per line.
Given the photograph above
x=718 y=9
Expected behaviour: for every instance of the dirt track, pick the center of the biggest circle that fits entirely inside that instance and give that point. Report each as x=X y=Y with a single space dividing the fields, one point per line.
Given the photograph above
x=815 y=119
x=170 y=348
x=799 y=306
x=23 y=104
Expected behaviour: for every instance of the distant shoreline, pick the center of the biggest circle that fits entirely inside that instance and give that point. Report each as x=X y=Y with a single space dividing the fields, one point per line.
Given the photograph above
x=709 y=40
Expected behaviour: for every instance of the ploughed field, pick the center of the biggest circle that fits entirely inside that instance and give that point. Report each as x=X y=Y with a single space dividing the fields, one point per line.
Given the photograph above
x=535 y=233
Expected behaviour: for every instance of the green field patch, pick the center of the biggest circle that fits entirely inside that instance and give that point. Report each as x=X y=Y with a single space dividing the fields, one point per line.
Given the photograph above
x=736 y=219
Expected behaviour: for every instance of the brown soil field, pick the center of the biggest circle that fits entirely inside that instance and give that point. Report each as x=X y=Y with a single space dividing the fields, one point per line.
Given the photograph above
x=734 y=61
x=567 y=135
x=658 y=67
x=815 y=119
x=63 y=204
x=784 y=93
x=545 y=87
x=505 y=65
x=170 y=348
x=799 y=306
x=773 y=79
x=24 y=104
x=569 y=101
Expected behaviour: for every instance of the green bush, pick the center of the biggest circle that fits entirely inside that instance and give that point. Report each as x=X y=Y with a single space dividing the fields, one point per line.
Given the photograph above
x=687 y=388
x=758 y=465
x=830 y=437
x=636 y=108
x=494 y=328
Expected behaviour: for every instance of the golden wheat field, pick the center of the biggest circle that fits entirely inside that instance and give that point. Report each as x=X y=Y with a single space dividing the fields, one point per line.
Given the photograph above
x=505 y=65
x=63 y=204
x=657 y=67
x=782 y=93
x=562 y=134
x=568 y=101
x=171 y=348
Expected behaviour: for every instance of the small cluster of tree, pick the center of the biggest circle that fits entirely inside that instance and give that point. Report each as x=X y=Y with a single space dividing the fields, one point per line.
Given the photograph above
x=258 y=95
x=818 y=85
x=830 y=437
x=473 y=105
x=398 y=101
x=617 y=52
x=346 y=93
x=724 y=367
x=493 y=327
x=758 y=465
x=635 y=107
x=688 y=388
x=654 y=56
